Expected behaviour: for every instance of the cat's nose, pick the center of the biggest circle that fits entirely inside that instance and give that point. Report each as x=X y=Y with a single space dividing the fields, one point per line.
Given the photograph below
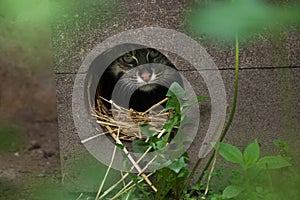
x=146 y=76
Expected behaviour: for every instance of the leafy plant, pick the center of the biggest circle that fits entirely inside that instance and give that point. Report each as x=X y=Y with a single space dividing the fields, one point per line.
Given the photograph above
x=224 y=19
x=256 y=176
x=170 y=181
x=254 y=179
x=11 y=138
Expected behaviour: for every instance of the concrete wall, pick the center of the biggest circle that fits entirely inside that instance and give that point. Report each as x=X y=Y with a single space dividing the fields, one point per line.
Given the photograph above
x=269 y=92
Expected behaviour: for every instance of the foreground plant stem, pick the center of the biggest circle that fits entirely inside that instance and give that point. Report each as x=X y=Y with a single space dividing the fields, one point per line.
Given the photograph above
x=232 y=112
x=106 y=174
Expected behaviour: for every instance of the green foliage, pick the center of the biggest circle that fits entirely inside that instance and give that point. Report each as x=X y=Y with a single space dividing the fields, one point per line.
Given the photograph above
x=176 y=91
x=178 y=104
x=11 y=138
x=273 y=162
x=46 y=190
x=120 y=146
x=140 y=192
x=256 y=177
x=25 y=28
x=246 y=17
x=252 y=152
x=230 y=153
x=281 y=144
x=139 y=146
x=170 y=180
x=179 y=164
x=232 y=191
x=146 y=130
x=25 y=34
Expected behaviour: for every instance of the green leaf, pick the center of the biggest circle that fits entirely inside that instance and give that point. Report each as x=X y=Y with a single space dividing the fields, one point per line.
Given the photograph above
x=153 y=142
x=280 y=143
x=161 y=161
x=232 y=191
x=283 y=145
x=176 y=90
x=178 y=165
x=139 y=146
x=159 y=143
x=252 y=152
x=273 y=162
x=230 y=153
x=120 y=146
x=165 y=181
x=147 y=130
x=162 y=142
x=173 y=104
x=184 y=173
x=169 y=125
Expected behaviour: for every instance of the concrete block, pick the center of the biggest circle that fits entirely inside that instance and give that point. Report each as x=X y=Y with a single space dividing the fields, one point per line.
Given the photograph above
x=269 y=92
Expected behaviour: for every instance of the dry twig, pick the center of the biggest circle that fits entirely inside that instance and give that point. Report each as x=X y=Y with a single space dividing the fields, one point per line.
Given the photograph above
x=124 y=124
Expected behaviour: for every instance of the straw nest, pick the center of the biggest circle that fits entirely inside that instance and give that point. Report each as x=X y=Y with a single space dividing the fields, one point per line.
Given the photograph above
x=125 y=123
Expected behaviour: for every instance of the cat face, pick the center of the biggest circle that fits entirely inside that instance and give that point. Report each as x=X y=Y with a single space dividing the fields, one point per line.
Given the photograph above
x=142 y=75
x=148 y=77
x=143 y=67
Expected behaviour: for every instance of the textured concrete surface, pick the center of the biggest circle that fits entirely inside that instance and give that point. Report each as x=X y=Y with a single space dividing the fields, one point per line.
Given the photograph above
x=268 y=104
x=267 y=109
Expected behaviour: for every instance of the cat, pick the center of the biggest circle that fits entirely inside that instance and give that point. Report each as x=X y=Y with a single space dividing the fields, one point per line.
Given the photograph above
x=138 y=79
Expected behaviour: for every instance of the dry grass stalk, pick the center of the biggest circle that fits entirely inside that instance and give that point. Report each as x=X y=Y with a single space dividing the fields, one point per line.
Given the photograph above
x=130 y=185
x=126 y=123
x=106 y=174
x=134 y=163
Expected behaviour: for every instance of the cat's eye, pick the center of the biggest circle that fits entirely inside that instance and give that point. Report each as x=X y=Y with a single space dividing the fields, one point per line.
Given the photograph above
x=153 y=53
x=128 y=58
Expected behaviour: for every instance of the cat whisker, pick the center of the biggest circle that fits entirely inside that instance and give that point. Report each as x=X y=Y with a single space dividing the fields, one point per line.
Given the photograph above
x=129 y=87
